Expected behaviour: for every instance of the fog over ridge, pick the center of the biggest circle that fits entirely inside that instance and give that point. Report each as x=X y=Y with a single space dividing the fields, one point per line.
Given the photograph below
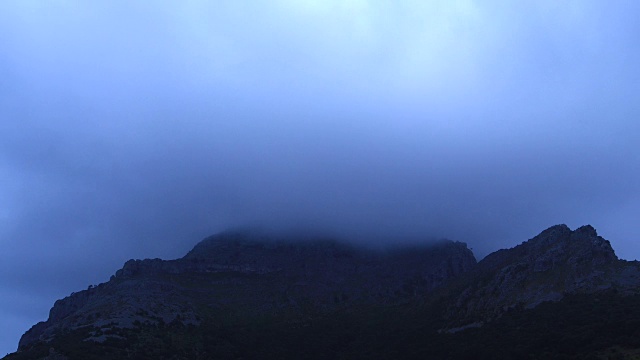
x=135 y=130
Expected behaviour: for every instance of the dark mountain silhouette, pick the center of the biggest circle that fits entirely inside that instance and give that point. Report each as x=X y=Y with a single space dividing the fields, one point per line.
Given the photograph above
x=549 y=266
x=248 y=295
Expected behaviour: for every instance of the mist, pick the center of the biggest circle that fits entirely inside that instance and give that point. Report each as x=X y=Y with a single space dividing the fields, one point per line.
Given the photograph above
x=134 y=131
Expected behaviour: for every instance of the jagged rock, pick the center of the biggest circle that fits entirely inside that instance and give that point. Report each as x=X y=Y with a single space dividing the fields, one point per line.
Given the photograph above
x=240 y=279
x=257 y=274
x=556 y=262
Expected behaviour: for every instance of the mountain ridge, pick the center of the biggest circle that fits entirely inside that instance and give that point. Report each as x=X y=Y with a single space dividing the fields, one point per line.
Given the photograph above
x=329 y=266
x=237 y=278
x=547 y=267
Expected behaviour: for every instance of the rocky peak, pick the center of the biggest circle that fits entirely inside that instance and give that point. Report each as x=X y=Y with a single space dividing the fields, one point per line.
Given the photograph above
x=592 y=246
x=558 y=244
x=556 y=232
x=545 y=268
x=586 y=230
x=554 y=236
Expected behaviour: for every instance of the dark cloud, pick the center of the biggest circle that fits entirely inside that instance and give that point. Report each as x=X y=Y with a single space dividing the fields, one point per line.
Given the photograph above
x=131 y=132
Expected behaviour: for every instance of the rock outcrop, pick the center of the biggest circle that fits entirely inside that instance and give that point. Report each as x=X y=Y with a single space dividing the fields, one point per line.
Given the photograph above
x=241 y=270
x=547 y=267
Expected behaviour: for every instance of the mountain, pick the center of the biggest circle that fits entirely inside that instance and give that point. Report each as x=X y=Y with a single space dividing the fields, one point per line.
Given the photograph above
x=547 y=267
x=248 y=295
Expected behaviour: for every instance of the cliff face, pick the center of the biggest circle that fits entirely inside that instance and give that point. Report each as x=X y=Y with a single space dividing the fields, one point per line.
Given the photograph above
x=547 y=267
x=242 y=272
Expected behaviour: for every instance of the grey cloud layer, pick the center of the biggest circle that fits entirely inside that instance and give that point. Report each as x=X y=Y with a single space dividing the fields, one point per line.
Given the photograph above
x=134 y=131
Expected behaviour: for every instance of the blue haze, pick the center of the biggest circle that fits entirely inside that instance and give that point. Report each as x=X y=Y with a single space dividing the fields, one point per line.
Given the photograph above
x=133 y=130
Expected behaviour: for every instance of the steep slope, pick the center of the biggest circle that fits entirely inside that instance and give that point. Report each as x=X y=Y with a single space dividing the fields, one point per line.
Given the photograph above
x=555 y=263
x=236 y=277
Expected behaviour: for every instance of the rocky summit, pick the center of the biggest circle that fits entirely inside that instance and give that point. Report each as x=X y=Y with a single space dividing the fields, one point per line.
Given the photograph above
x=249 y=295
x=547 y=267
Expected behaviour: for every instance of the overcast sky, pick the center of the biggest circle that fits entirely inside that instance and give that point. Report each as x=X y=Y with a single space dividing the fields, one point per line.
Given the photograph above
x=135 y=129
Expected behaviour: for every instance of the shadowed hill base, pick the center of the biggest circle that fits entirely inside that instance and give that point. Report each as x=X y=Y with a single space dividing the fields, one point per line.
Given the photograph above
x=606 y=326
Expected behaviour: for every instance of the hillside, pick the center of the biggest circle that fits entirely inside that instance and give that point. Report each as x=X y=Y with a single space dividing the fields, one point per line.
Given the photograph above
x=245 y=295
